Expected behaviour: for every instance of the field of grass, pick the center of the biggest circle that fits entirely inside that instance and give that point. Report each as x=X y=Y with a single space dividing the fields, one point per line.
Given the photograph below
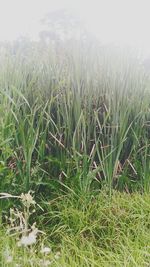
x=75 y=129
x=87 y=230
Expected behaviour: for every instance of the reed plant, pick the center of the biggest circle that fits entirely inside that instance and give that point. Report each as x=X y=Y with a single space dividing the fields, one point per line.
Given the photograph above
x=75 y=114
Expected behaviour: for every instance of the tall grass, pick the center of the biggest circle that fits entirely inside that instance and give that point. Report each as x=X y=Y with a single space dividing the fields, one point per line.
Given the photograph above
x=78 y=114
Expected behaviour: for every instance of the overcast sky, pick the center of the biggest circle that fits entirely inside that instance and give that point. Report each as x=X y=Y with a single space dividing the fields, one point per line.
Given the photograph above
x=117 y=21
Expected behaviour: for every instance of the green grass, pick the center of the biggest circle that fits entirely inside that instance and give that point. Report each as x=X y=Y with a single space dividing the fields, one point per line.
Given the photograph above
x=75 y=129
x=73 y=111
x=90 y=230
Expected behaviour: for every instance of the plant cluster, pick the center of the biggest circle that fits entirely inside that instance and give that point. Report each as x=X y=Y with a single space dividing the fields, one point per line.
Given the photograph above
x=78 y=114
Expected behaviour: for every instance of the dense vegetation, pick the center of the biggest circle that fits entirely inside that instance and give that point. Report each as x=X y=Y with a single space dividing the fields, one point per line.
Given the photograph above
x=74 y=127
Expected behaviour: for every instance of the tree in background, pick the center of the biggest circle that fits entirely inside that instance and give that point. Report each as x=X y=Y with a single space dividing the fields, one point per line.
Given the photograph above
x=61 y=25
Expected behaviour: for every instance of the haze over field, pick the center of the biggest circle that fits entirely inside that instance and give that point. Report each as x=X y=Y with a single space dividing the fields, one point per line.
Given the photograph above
x=74 y=133
x=118 y=21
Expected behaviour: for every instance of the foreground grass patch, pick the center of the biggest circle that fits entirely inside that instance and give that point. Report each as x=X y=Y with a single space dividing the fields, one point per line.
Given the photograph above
x=88 y=230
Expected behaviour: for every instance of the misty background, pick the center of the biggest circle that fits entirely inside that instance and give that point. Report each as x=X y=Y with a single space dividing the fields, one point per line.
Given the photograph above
x=118 y=22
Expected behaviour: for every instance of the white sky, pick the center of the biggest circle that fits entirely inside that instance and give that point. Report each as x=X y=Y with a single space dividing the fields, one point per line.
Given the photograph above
x=117 y=21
